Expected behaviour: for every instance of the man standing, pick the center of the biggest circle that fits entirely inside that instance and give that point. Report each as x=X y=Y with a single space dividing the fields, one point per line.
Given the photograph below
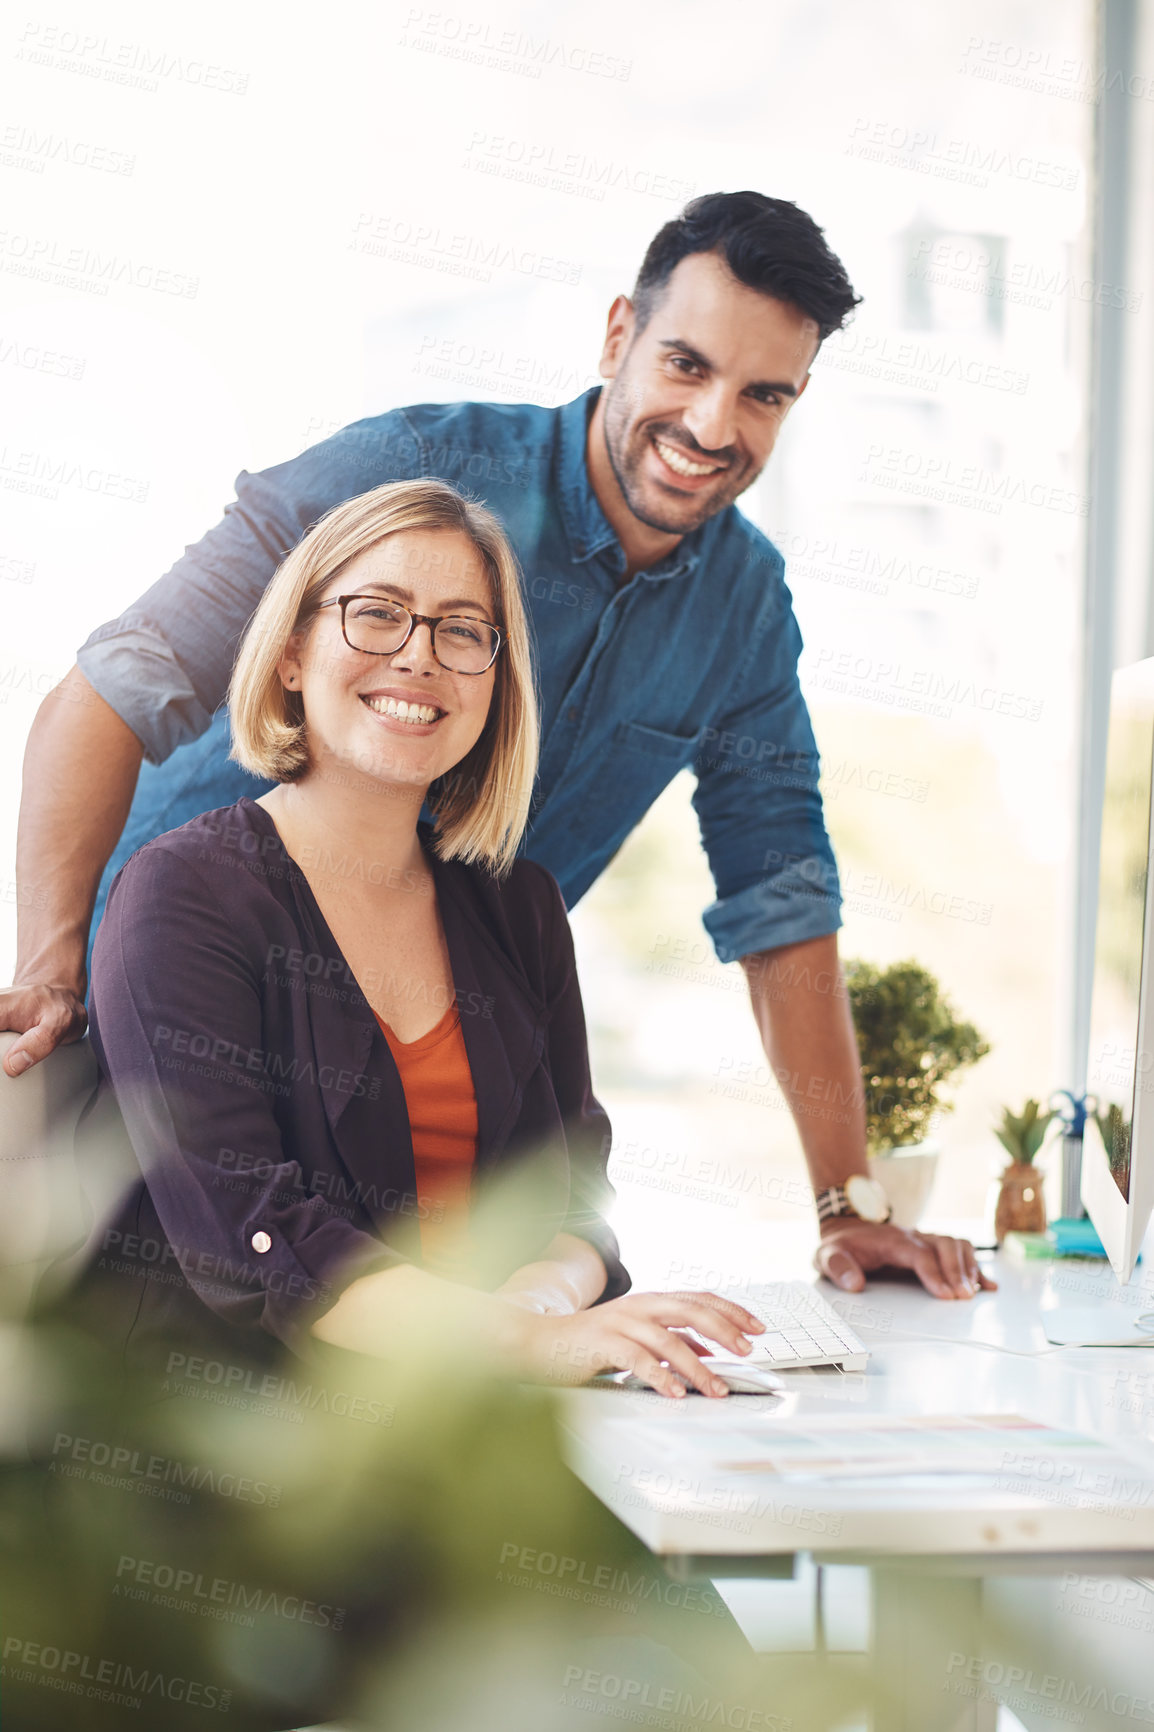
x=665 y=638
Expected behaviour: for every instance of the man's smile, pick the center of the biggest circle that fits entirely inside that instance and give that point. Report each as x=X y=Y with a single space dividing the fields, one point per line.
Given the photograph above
x=693 y=469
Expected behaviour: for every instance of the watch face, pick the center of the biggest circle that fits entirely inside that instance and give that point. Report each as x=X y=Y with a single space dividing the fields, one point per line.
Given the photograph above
x=866 y=1198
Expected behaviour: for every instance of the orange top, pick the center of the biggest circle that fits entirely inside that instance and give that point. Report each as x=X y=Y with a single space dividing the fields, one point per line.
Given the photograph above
x=442 y=1107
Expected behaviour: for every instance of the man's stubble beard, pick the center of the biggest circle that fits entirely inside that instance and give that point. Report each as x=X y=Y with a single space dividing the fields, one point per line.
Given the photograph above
x=626 y=466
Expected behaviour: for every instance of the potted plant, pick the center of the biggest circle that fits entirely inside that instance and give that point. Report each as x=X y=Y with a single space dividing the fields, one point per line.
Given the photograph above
x=1021 y=1205
x=910 y=1043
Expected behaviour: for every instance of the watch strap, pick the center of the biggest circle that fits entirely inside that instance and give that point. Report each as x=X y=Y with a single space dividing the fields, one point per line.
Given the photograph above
x=832 y=1202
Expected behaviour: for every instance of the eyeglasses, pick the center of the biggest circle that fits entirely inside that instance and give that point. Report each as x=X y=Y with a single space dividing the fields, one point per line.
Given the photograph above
x=378 y=627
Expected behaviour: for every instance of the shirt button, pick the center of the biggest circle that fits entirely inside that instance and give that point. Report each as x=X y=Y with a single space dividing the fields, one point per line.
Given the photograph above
x=261 y=1242
x=572 y=713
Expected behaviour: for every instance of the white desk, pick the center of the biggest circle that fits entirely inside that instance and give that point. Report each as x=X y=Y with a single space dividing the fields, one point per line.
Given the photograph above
x=989 y=1355
x=1082 y=1616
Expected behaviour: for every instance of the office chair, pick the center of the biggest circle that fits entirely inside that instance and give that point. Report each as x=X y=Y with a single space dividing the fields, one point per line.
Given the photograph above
x=50 y=1194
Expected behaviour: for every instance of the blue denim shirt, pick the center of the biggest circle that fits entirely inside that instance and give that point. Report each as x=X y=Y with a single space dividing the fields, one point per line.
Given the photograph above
x=691 y=663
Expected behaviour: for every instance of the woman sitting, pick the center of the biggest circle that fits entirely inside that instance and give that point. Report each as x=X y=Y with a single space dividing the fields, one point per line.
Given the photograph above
x=349 y=1048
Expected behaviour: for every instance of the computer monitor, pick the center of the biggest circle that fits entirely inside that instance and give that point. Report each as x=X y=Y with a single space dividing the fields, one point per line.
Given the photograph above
x=1118 y=1147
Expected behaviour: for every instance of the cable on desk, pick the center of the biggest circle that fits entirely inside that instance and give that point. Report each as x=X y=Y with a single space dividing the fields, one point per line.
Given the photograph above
x=990 y=1346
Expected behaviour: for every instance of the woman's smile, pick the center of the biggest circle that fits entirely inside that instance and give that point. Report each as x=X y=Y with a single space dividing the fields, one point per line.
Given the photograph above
x=400 y=710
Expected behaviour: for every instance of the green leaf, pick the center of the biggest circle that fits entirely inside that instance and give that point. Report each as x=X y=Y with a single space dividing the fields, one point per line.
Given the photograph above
x=910 y=1043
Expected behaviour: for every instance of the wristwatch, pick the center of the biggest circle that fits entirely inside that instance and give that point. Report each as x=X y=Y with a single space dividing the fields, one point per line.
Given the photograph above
x=860 y=1197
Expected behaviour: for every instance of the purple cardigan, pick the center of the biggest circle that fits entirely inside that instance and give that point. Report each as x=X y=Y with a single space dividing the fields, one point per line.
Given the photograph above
x=264 y=1107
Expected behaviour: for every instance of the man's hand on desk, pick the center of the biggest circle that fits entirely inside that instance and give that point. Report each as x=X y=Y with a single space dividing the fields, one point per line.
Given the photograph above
x=850 y=1250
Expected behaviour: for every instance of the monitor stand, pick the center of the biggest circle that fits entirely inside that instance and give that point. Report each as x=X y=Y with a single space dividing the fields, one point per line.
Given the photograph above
x=1099 y=1326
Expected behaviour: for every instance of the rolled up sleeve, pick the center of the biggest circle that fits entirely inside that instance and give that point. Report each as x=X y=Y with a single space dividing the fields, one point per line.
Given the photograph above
x=165 y=664
x=132 y=666
x=178 y=1027
x=759 y=807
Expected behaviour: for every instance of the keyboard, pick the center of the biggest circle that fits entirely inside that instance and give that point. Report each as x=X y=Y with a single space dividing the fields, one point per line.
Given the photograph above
x=801 y=1329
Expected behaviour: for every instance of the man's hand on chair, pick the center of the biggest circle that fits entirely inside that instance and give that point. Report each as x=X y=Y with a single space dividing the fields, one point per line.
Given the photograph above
x=44 y=1017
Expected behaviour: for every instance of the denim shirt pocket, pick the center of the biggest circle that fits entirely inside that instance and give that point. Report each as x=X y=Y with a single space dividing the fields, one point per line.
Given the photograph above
x=644 y=761
x=656 y=743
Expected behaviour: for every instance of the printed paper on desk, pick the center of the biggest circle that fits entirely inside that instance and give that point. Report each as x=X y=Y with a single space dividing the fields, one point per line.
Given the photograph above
x=976 y=1447
x=930 y=1444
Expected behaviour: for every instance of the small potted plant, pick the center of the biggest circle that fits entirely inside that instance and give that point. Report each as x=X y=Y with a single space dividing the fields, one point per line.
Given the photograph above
x=1021 y=1205
x=910 y=1043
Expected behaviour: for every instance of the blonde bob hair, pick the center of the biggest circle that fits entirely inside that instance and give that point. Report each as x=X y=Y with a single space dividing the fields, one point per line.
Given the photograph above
x=482 y=804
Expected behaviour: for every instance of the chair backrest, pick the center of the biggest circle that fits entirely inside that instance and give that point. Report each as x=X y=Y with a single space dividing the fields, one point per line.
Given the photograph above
x=46 y=1200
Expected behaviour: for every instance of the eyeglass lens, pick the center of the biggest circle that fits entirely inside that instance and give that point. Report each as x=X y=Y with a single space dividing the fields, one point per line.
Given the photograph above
x=380 y=627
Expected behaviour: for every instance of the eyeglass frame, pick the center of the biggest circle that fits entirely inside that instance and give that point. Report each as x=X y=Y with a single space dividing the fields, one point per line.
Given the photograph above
x=415 y=619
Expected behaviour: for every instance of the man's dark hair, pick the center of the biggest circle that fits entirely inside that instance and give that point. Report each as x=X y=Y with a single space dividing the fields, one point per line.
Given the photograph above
x=768 y=244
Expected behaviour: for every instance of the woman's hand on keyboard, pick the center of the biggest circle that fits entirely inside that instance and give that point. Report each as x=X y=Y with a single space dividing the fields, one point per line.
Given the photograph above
x=639 y=1333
